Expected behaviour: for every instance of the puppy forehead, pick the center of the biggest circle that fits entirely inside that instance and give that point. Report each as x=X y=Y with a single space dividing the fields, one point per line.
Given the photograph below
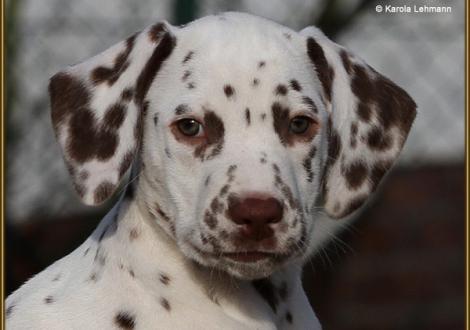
x=235 y=61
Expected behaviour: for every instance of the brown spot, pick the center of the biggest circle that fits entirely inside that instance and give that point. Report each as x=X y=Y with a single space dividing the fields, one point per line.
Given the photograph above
x=324 y=71
x=155 y=119
x=210 y=220
x=157 y=31
x=125 y=320
x=247 y=116
x=182 y=109
x=9 y=310
x=255 y=82
x=167 y=152
x=281 y=120
x=49 y=300
x=214 y=136
x=188 y=56
x=93 y=277
x=133 y=234
x=127 y=94
x=294 y=84
x=190 y=85
x=307 y=163
x=396 y=107
x=88 y=140
x=110 y=75
x=224 y=190
x=114 y=116
x=353 y=132
x=362 y=84
x=153 y=65
x=355 y=174
x=126 y=162
x=276 y=169
x=309 y=102
x=67 y=94
x=285 y=189
x=164 y=279
x=100 y=257
x=287 y=35
x=186 y=75
x=139 y=124
x=216 y=206
x=263 y=116
x=229 y=91
x=230 y=172
x=377 y=139
x=56 y=278
x=261 y=64
x=334 y=147
x=346 y=61
x=165 y=304
x=162 y=214
x=281 y=89
x=364 y=111
x=208 y=179
x=131 y=272
x=103 y=191
x=267 y=291
x=393 y=106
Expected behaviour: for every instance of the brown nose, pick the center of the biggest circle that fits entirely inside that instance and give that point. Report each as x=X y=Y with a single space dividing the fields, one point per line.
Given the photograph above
x=254 y=215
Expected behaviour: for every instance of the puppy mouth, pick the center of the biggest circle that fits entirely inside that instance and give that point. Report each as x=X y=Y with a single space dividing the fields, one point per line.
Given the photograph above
x=249 y=256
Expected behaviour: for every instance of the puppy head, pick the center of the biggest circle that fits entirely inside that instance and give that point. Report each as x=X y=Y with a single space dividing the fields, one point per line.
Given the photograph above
x=243 y=126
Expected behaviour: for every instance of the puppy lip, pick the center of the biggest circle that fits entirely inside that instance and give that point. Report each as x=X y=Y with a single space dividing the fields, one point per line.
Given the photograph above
x=248 y=256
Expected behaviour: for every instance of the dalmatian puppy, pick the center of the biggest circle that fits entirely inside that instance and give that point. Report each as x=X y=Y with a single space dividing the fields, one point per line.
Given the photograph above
x=240 y=133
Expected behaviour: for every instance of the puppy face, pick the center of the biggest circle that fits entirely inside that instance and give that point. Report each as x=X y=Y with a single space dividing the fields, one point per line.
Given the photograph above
x=234 y=141
x=242 y=125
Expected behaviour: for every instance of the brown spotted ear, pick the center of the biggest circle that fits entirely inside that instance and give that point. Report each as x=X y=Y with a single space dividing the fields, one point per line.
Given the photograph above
x=98 y=108
x=369 y=118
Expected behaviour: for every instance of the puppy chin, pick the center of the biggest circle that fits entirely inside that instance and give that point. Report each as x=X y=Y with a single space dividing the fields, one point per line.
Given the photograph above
x=241 y=270
x=249 y=271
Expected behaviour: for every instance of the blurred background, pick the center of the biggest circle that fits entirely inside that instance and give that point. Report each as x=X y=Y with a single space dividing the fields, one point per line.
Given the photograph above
x=399 y=265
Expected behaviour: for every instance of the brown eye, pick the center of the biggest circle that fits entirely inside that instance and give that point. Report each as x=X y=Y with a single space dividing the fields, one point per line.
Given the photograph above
x=299 y=124
x=189 y=127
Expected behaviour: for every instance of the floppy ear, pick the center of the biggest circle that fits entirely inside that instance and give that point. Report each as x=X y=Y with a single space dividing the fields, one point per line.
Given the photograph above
x=98 y=108
x=369 y=118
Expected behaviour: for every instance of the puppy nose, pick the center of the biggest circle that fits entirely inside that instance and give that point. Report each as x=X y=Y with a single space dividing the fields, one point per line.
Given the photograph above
x=254 y=215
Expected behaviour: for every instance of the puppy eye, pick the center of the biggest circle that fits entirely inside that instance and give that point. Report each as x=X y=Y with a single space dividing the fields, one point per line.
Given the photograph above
x=300 y=124
x=189 y=127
